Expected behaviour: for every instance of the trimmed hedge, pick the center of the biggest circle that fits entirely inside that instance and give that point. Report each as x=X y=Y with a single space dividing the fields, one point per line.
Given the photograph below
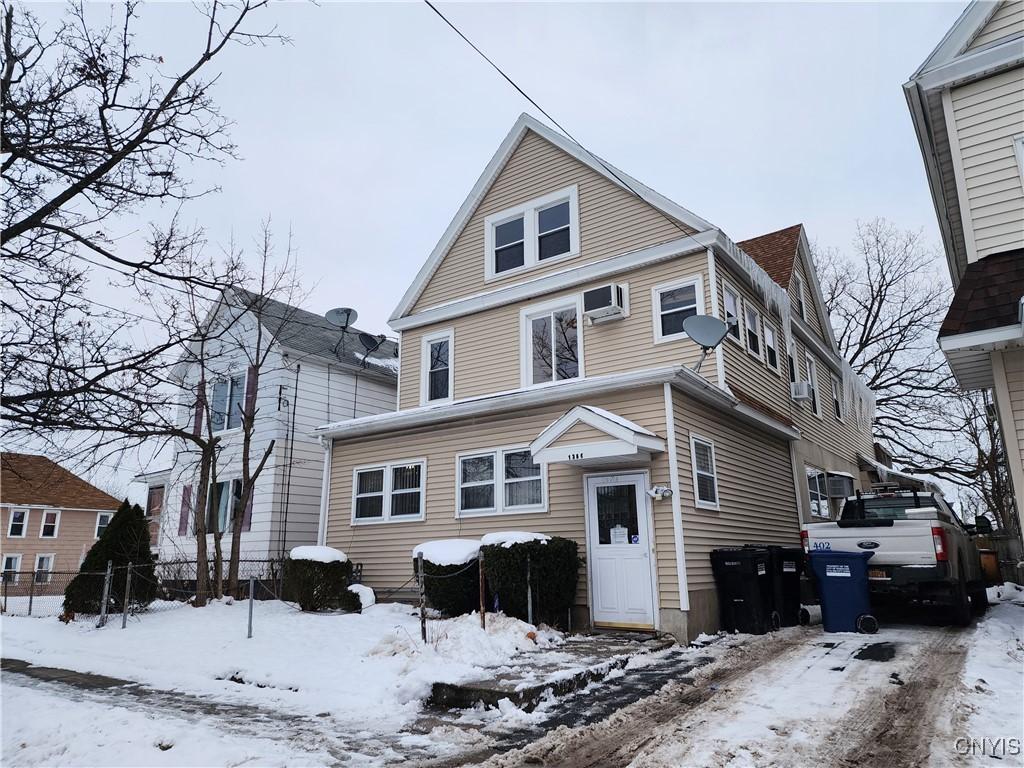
x=554 y=572
x=317 y=586
x=125 y=540
x=451 y=594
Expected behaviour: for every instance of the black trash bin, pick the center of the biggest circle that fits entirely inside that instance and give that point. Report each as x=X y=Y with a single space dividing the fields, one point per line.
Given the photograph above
x=744 y=589
x=785 y=564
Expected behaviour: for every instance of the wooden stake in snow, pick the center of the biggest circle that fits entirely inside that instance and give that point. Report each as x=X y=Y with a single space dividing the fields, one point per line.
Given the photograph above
x=252 y=591
x=127 y=592
x=483 y=606
x=423 y=597
x=106 y=594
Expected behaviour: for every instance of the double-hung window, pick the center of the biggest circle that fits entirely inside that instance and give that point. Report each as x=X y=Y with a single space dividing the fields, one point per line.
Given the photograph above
x=226 y=399
x=44 y=566
x=50 y=524
x=102 y=521
x=551 y=344
x=791 y=359
x=837 y=399
x=436 y=364
x=812 y=379
x=17 y=524
x=705 y=475
x=731 y=302
x=817 y=490
x=499 y=481
x=771 y=347
x=798 y=294
x=542 y=230
x=753 y=318
x=389 y=492
x=222 y=503
x=12 y=565
x=673 y=303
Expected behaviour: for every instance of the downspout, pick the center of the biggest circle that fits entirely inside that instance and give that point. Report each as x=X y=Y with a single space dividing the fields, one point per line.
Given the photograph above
x=325 y=490
x=283 y=541
x=677 y=501
x=795 y=465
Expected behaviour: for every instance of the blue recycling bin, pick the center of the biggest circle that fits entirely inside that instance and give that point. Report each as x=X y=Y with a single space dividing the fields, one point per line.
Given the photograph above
x=842 y=579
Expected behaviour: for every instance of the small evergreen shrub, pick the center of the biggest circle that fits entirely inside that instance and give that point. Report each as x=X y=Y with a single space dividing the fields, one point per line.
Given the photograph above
x=317 y=586
x=554 y=572
x=452 y=589
x=125 y=540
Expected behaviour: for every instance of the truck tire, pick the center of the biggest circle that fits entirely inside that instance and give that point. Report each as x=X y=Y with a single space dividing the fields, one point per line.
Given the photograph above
x=979 y=600
x=960 y=610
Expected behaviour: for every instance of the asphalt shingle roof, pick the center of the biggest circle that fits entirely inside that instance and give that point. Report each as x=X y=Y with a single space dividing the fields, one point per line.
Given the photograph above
x=27 y=478
x=988 y=295
x=775 y=252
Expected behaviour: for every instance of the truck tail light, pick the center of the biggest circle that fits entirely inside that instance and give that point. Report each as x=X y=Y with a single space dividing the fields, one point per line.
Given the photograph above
x=939 y=542
x=806 y=541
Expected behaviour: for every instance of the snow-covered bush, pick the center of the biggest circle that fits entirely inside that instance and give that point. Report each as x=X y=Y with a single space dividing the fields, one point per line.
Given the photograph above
x=452 y=575
x=554 y=572
x=317 y=578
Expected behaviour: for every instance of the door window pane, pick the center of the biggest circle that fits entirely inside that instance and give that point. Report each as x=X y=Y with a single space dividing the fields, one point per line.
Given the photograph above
x=617 y=515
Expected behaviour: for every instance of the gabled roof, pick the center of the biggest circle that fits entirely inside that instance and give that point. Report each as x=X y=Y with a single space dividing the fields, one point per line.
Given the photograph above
x=27 y=478
x=776 y=252
x=989 y=295
x=625 y=438
x=490 y=174
x=959 y=37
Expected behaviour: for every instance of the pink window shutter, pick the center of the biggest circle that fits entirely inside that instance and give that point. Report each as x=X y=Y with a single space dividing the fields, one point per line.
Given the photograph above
x=186 y=510
x=247 y=516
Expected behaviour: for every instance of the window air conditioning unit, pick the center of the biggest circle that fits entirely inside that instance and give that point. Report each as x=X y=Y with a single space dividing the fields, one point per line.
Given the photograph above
x=604 y=303
x=800 y=390
x=839 y=486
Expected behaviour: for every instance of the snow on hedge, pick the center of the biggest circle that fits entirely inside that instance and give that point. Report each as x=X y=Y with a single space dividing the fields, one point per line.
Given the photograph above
x=366 y=596
x=448 y=551
x=507 y=538
x=319 y=554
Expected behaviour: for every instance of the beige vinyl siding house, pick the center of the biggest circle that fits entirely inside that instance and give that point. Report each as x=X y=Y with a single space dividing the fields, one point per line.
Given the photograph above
x=597 y=399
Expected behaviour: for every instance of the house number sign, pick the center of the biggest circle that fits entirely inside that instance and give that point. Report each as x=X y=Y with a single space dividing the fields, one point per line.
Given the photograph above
x=575 y=456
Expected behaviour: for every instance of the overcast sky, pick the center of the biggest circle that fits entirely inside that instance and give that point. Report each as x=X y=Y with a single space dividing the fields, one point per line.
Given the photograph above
x=366 y=133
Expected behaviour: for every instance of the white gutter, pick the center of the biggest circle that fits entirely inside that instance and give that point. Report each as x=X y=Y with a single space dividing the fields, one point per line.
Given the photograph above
x=989 y=336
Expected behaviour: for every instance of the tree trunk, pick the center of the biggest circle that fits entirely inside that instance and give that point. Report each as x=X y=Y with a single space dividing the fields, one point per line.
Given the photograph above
x=202 y=562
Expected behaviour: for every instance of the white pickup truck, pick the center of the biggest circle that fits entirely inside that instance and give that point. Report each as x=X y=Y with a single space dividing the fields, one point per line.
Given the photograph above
x=921 y=550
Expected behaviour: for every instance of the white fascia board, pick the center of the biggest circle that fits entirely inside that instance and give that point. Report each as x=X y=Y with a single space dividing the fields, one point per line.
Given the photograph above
x=774 y=426
x=959 y=36
x=982 y=339
x=973 y=66
x=156 y=477
x=806 y=335
x=556 y=281
x=490 y=173
x=804 y=249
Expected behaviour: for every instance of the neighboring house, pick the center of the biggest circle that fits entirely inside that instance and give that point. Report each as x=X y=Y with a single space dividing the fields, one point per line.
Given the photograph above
x=314 y=372
x=967 y=103
x=546 y=385
x=51 y=517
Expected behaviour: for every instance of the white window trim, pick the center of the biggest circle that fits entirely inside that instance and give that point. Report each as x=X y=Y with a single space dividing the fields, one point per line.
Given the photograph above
x=765 y=327
x=447 y=334
x=49 y=571
x=727 y=287
x=748 y=306
x=245 y=386
x=1018 y=151
x=792 y=352
x=812 y=379
x=209 y=497
x=528 y=211
x=388 y=468
x=16 y=570
x=56 y=525
x=811 y=500
x=526 y=315
x=698 y=503
x=24 y=524
x=837 y=399
x=697 y=281
x=499 y=508
x=801 y=305
x=96 y=532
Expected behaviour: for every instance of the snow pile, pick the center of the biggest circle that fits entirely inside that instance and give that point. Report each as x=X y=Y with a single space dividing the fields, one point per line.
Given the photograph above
x=1006 y=592
x=366 y=596
x=507 y=538
x=448 y=551
x=318 y=554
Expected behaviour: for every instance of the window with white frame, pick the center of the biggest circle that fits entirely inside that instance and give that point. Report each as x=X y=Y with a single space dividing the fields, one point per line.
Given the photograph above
x=539 y=231
x=791 y=361
x=551 y=342
x=731 y=305
x=102 y=521
x=771 y=347
x=222 y=504
x=798 y=292
x=837 y=399
x=817 y=490
x=705 y=476
x=753 y=318
x=17 y=523
x=226 y=398
x=389 y=492
x=44 y=566
x=12 y=565
x=50 y=524
x=499 y=481
x=436 y=365
x=673 y=303
x=812 y=379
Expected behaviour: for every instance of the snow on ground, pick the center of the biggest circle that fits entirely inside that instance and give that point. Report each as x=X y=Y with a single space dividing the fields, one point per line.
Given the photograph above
x=369 y=669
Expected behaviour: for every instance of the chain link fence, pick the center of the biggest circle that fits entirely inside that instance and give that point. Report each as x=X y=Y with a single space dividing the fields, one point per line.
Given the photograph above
x=38 y=593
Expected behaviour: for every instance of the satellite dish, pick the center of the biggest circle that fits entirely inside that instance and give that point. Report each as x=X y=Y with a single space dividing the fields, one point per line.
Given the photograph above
x=371 y=344
x=342 y=317
x=707 y=331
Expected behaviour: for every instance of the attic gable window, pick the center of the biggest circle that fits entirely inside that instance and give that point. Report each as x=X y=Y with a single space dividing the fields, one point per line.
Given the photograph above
x=798 y=291
x=544 y=229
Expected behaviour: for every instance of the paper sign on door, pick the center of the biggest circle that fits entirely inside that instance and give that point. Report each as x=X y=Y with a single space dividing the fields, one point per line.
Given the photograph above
x=619 y=535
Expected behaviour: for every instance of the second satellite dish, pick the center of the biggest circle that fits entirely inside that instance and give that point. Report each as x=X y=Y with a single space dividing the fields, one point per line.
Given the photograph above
x=707 y=331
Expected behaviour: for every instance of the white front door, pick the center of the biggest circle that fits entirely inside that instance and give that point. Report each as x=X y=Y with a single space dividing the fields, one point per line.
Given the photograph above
x=619 y=542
